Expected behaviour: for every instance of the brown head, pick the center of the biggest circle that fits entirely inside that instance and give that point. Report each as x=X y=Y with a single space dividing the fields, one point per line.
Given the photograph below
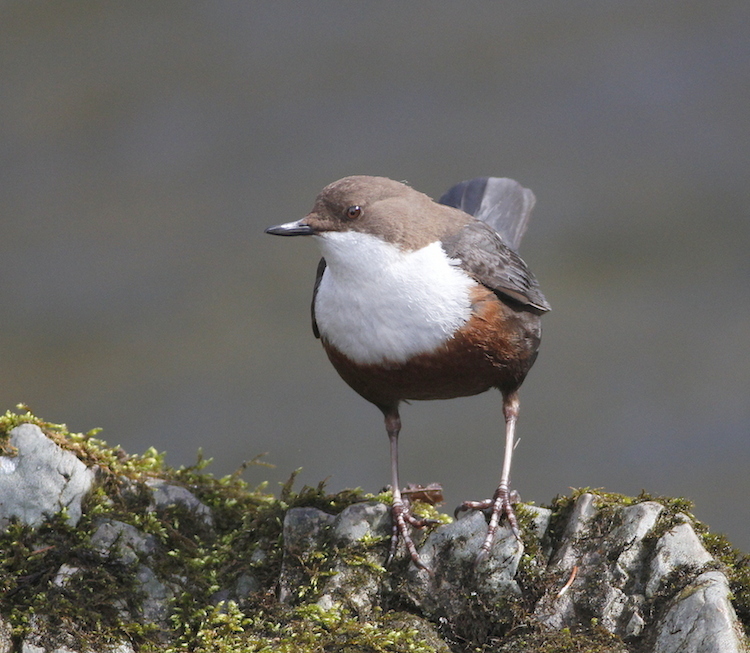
x=379 y=206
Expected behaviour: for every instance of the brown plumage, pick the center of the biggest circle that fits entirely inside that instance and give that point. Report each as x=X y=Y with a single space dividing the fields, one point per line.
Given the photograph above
x=495 y=349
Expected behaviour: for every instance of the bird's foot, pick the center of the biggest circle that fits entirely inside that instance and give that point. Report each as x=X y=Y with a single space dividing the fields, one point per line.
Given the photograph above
x=501 y=504
x=402 y=521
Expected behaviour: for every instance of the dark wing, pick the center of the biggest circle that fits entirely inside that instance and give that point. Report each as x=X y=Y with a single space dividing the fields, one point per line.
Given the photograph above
x=483 y=254
x=318 y=277
x=502 y=203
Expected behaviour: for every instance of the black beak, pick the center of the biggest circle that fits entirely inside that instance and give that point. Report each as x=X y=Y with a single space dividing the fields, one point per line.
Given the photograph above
x=298 y=228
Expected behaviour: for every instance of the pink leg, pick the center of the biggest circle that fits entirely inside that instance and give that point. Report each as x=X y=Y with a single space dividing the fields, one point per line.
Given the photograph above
x=501 y=502
x=402 y=518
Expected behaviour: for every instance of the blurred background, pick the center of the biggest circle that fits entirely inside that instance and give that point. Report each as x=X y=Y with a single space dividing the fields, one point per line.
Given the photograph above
x=145 y=146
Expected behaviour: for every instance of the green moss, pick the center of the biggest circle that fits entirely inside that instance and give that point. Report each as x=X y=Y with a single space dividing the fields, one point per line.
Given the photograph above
x=82 y=602
x=99 y=601
x=203 y=559
x=531 y=576
x=308 y=628
x=608 y=506
x=85 y=446
x=592 y=640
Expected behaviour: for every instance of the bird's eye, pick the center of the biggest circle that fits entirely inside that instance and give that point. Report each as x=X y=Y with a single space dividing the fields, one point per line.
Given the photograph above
x=353 y=212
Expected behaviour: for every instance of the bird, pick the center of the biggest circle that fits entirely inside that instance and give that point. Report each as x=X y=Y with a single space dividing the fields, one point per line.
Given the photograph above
x=420 y=300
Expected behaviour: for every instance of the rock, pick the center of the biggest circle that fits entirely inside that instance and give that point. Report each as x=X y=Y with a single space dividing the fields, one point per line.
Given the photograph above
x=121 y=647
x=64 y=574
x=33 y=644
x=450 y=553
x=584 y=511
x=540 y=520
x=305 y=533
x=701 y=619
x=28 y=647
x=244 y=586
x=121 y=541
x=427 y=632
x=605 y=565
x=167 y=494
x=6 y=637
x=635 y=523
x=356 y=576
x=125 y=544
x=157 y=596
x=360 y=520
x=305 y=529
x=679 y=546
x=41 y=479
x=606 y=570
x=40 y=639
x=614 y=570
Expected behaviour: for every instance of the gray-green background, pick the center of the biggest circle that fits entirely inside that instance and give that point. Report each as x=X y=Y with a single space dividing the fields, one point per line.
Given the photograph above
x=145 y=145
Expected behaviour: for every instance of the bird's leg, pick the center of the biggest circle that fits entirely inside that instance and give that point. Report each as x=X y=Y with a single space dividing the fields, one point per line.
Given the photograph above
x=402 y=517
x=501 y=502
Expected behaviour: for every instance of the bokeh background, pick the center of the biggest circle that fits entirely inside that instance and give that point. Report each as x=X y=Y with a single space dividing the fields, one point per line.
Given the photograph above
x=145 y=145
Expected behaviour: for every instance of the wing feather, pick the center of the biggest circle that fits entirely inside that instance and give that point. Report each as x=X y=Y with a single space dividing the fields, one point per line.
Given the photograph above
x=318 y=277
x=502 y=203
x=486 y=249
x=482 y=253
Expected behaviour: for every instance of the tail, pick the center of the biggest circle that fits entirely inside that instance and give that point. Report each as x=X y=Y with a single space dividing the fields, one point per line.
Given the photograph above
x=502 y=203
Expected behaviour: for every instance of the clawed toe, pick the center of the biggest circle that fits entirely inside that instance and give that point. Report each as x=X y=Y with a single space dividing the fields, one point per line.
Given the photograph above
x=501 y=505
x=402 y=521
x=472 y=505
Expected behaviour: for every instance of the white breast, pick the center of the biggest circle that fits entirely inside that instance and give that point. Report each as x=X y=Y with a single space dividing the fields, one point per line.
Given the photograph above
x=377 y=303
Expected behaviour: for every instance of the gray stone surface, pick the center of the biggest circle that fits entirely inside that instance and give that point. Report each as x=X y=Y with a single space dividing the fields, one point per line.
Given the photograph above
x=64 y=574
x=122 y=647
x=41 y=479
x=246 y=584
x=167 y=494
x=34 y=644
x=677 y=547
x=540 y=519
x=6 y=637
x=584 y=511
x=450 y=553
x=359 y=520
x=43 y=639
x=28 y=647
x=616 y=569
x=157 y=596
x=635 y=523
x=701 y=619
x=121 y=541
x=606 y=567
x=305 y=531
x=357 y=575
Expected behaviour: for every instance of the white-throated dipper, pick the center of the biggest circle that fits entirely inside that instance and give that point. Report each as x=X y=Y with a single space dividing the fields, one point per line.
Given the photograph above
x=416 y=299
